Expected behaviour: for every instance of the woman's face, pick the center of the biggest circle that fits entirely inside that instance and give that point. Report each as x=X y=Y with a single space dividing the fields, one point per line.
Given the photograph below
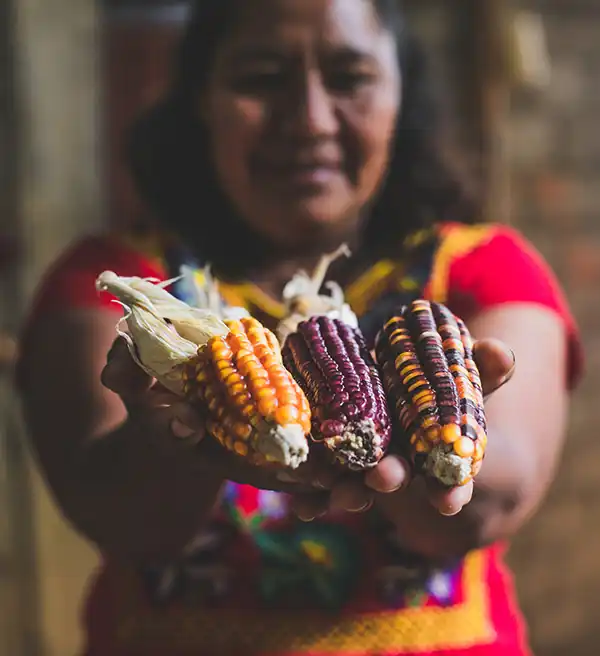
x=301 y=107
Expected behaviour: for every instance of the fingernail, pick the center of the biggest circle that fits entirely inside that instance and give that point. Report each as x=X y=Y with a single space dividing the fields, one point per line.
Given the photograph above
x=364 y=508
x=449 y=512
x=389 y=490
x=284 y=477
x=394 y=489
x=180 y=430
x=306 y=519
x=510 y=372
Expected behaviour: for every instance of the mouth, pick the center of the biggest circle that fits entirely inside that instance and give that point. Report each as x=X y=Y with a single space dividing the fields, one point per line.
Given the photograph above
x=307 y=173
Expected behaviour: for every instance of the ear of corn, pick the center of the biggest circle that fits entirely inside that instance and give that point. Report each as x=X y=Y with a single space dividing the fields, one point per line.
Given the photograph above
x=327 y=354
x=254 y=407
x=433 y=383
x=231 y=370
x=334 y=368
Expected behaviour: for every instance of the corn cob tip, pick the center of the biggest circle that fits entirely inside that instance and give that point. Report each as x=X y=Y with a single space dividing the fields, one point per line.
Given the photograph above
x=358 y=446
x=450 y=469
x=283 y=445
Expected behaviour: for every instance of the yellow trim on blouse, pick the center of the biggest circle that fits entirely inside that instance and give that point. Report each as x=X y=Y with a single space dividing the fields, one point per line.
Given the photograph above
x=457 y=240
x=210 y=631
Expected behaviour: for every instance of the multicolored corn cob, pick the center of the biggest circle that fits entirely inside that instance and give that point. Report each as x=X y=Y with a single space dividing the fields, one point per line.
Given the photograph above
x=426 y=354
x=332 y=364
x=254 y=406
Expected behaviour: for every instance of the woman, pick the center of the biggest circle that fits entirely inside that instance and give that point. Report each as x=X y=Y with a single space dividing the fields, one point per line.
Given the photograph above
x=291 y=126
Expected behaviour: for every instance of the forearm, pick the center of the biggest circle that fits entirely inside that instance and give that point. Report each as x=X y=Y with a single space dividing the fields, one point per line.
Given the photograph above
x=503 y=496
x=134 y=497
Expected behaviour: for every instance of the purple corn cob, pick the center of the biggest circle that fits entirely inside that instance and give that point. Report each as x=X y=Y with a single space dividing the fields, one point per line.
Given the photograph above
x=332 y=364
x=426 y=355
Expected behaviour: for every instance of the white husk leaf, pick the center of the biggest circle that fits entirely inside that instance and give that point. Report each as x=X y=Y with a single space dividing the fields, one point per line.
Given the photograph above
x=303 y=297
x=196 y=325
x=163 y=333
x=207 y=295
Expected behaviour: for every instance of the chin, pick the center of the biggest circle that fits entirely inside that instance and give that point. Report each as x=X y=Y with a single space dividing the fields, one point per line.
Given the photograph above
x=319 y=228
x=314 y=237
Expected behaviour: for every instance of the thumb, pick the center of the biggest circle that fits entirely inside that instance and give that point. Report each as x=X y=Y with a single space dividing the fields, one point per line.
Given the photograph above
x=496 y=363
x=187 y=423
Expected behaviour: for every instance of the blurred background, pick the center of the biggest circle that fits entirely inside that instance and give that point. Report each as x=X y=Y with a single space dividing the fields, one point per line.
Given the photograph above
x=522 y=79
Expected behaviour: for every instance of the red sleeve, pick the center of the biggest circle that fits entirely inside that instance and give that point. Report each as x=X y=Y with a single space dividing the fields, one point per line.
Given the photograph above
x=508 y=269
x=70 y=282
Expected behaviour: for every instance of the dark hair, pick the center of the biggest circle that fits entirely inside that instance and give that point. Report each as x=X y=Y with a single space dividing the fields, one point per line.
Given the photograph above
x=168 y=154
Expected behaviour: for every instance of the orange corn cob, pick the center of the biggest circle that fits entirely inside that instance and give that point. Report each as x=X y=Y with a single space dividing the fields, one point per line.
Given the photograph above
x=433 y=383
x=254 y=407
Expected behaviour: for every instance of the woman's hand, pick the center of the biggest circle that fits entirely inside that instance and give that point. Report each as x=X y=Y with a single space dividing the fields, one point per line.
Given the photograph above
x=148 y=403
x=146 y=400
x=356 y=492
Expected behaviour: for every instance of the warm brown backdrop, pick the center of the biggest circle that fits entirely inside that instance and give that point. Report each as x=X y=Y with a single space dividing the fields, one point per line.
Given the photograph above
x=554 y=147
x=556 y=170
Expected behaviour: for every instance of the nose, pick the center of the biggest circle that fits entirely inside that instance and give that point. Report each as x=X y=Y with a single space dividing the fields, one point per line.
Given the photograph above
x=311 y=111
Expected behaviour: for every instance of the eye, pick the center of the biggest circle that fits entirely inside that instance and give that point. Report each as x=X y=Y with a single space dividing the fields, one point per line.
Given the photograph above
x=349 y=80
x=259 y=81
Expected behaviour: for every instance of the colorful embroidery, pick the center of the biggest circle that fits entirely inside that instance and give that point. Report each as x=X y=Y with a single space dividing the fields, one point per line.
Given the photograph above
x=250 y=508
x=413 y=630
x=308 y=566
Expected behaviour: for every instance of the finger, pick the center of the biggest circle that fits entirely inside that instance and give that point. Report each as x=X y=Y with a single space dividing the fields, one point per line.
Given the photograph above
x=351 y=496
x=159 y=396
x=326 y=477
x=323 y=473
x=117 y=346
x=317 y=472
x=391 y=474
x=451 y=501
x=303 y=474
x=496 y=363
x=309 y=506
x=122 y=375
x=187 y=423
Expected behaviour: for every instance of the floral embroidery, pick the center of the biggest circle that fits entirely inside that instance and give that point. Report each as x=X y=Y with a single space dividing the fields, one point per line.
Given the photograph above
x=264 y=506
x=409 y=581
x=272 y=505
x=442 y=586
x=308 y=565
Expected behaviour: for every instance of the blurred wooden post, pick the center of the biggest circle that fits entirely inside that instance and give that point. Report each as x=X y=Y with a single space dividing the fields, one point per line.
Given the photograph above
x=60 y=197
x=73 y=104
x=17 y=589
x=490 y=43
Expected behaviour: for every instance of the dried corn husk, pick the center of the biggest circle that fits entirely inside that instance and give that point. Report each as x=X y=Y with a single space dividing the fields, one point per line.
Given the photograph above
x=162 y=332
x=303 y=297
x=206 y=294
